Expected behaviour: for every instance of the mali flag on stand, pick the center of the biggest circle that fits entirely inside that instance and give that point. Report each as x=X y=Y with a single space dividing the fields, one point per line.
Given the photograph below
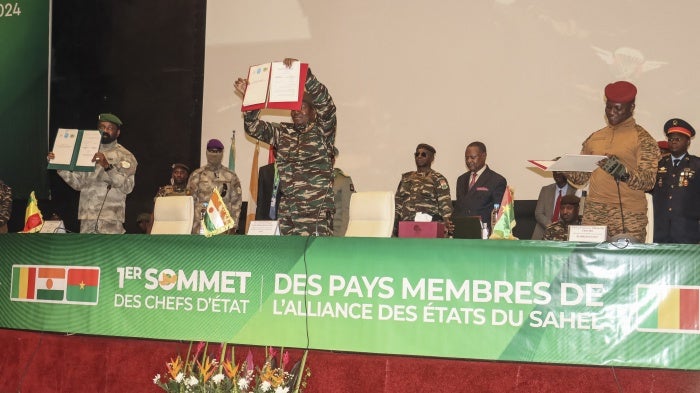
x=505 y=221
x=33 y=220
x=217 y=219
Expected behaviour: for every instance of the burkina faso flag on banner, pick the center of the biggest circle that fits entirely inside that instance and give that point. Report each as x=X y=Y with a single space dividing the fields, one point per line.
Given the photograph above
x=83 y=285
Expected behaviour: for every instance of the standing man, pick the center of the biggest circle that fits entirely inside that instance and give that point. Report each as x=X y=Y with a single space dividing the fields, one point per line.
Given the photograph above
x=178 y=182
x=213 y=175
x=103 y=192
x=5 y=206
x=304 y=151
x=479 y=189
x=616 y=189
x=423 y=190
x=568 y=215
x=677 y=191
x=549 y=203
x=342 y=191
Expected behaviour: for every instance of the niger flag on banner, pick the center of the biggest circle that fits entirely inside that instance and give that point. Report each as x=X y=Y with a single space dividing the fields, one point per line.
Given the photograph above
x=33 y=220
x=217 y=219
x=506 y=218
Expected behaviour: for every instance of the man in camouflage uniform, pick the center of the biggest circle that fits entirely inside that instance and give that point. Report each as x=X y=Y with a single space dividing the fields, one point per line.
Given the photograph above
x=423 y=190
x=5 y=206
x=103 y=192
x=568 y=215
x=304 y=150
x=178 y=182
x=677 y=191
x=343 y=189
x=631 y=165
x=213 y=175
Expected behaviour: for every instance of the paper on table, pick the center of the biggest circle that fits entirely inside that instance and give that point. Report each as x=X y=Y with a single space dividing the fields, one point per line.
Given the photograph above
x=258 y=82
x=570 y=163
x=63 y=146
x=89 y=145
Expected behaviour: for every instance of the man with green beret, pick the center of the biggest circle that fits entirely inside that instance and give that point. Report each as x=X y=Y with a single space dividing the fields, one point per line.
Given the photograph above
x=179 y=175
x=103 y=191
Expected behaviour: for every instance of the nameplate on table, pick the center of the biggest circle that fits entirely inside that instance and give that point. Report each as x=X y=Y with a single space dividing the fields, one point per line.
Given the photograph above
x=588 y=233
x=264 y=228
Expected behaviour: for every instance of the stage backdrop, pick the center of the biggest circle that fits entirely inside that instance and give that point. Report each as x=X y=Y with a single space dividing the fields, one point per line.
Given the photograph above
x=546 y=302
x=24 y=102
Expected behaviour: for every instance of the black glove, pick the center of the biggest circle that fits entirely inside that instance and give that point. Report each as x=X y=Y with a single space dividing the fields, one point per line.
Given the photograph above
x=616 y=169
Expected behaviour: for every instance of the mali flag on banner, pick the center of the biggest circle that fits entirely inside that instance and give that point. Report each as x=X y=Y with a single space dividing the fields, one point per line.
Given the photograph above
x=33 y=220
x=217 y=218
x=505 y=221
x=83 y=284
x=23 y=282
x=673 y=309
x=38 y=283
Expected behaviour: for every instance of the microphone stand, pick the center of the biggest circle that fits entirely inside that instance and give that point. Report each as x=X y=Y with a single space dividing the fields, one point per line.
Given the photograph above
x=97 y=221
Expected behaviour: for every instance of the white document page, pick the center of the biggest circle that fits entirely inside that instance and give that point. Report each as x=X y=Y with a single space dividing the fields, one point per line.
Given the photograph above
x=284 y=82
x=88 y=147
x=63 y=146
x=258 y=80
x=576 y=163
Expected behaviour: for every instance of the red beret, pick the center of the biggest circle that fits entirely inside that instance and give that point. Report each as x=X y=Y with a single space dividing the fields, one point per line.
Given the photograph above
x=663 y=144
x=620 y=91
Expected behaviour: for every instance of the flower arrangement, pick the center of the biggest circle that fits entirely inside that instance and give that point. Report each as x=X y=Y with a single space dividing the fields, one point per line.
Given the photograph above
x=203 y=373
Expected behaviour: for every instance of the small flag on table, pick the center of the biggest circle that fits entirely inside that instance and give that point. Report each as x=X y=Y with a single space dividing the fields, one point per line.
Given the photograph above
x=505 y=221
x=217 y=219
x=33 y=220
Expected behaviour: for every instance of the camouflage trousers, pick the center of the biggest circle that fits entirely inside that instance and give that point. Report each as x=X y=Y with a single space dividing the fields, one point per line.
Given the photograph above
x=604 y=214
x=300 y=225
x=103 y=226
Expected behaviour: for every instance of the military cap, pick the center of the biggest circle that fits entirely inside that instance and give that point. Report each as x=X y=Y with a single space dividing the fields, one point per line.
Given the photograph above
x=143 y=217
x=620 y=91
x=679 y=126
x=662 y=144
x=180 y=165
x=426 y=146
x=570 y=200
x=112 y=118
x=215 y=144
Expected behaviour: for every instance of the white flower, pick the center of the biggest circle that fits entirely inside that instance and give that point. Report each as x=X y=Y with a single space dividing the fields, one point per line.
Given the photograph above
x=191 y=381
x=265 y=386
x=218 y=378
x=180 y=376
x=243 y=383
x=281 y=389
x=156 y=379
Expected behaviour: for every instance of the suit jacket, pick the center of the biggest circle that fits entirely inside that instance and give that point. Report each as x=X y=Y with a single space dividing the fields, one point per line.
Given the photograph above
x=488 y=189
x=266 y=179
x=545 y=208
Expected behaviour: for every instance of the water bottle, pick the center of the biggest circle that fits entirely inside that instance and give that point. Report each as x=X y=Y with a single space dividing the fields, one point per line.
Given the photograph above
x=484 y=231
x=201 y=217
x=494 y=215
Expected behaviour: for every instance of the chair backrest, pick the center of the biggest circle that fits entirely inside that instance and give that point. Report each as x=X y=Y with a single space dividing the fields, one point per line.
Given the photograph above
x=173 y=215
x=650 y=219
x=371 y=214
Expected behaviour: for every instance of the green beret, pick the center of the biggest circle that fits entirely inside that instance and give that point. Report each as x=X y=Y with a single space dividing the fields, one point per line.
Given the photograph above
x=110 y=118
x=181 y=165
x=426 y=146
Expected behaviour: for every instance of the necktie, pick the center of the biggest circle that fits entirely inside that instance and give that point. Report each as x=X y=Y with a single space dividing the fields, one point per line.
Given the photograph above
x=676 y=162
x=471 y=183
x=555 y=215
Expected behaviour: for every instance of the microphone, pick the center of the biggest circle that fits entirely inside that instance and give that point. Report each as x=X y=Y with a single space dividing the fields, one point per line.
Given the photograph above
x=97 y=221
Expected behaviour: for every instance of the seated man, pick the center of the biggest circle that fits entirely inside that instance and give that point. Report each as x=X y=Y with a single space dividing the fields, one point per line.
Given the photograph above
x=568 y=215
x=423 y=191
x=549 y=203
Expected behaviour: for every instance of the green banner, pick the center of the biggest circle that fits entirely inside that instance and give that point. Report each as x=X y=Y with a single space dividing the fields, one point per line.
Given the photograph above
x=531 y=301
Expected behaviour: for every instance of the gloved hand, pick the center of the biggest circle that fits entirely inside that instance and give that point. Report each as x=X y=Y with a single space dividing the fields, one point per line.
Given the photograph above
x=616 y=169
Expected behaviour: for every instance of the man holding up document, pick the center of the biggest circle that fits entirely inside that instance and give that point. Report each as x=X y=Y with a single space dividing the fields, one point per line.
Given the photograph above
x=616 y=189
x=103 y=190
x=304 y=157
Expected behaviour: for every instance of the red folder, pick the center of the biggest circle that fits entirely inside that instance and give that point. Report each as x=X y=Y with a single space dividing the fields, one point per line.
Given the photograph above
x=291 y=105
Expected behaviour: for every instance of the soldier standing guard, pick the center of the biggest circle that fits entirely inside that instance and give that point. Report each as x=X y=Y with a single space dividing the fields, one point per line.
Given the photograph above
x=178 y=182
x=677 y=189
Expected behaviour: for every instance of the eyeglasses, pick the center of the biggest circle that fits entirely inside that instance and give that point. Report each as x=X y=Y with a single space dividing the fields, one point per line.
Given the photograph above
x=674 y=139
x=420 y=154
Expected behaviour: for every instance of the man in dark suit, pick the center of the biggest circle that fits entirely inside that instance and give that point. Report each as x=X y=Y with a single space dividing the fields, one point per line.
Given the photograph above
x=266 y=184
x=480 y=188
x=547 y=203
x=677 y=189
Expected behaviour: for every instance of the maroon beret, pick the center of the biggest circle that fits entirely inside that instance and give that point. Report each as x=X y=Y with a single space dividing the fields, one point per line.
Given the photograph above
x=663 y=144
x=215 y=144
x=620 y=91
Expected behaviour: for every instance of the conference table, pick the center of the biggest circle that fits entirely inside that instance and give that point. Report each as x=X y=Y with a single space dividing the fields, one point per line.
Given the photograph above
x=505 y=315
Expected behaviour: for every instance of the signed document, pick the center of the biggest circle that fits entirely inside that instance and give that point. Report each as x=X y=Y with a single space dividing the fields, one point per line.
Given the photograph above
x=258 y=84
x=570 y=163
x=274 y=86
x=74 y=150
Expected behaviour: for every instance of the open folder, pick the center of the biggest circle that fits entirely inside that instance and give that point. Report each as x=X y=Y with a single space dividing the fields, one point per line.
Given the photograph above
x=570 y=163
x=274 y=86
x=74 y=150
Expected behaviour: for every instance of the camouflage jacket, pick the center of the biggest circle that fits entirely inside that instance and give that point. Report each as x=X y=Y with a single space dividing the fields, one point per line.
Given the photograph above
x=558 y=231
x=202 y=183
x=303 y=156
x=422 y=192
x=111 y=186
x=171 y=190
x=5 y=206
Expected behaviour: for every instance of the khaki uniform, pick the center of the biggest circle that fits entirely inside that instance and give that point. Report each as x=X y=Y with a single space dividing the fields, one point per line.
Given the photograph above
x=639 y=152
x=201 y=185
x=103 y=193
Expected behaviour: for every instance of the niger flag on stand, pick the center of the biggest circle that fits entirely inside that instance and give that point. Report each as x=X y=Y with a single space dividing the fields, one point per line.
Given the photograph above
x=33 y=220
x=217 y=219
